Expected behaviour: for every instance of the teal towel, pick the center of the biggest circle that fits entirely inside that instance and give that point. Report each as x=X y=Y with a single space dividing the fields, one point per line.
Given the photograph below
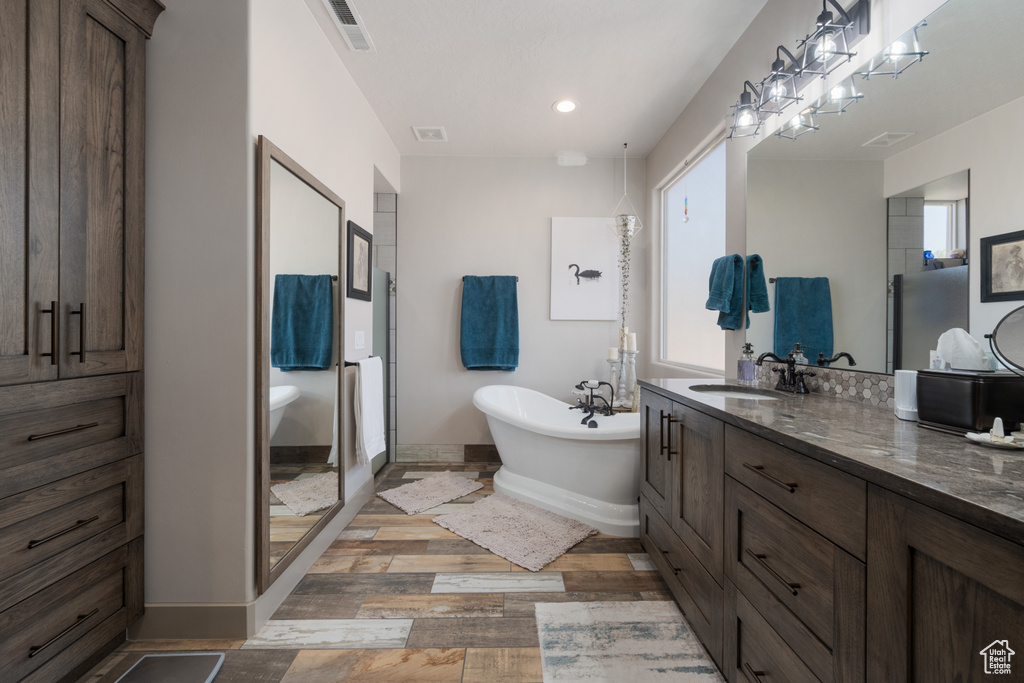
x=489 y=337
x=725 y=291
x=302 y=323
x=757 y=290
x=803 y=313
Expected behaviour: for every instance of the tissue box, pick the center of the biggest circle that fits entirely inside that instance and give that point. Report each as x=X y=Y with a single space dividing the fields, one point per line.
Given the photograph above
x=961 y=401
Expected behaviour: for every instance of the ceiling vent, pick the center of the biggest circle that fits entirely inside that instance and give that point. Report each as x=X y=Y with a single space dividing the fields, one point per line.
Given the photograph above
x=430 y=133
x=887 y=140
x=347 y=21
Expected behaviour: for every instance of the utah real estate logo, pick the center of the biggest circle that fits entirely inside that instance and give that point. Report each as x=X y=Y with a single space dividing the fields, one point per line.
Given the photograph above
x=997 y=657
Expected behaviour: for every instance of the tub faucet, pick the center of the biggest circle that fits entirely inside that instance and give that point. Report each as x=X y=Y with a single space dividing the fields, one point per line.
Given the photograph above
x=822 y=361
x=790 y=379
x=589 y=406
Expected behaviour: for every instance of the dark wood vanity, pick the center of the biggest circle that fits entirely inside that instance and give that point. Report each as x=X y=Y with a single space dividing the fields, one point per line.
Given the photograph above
x=817 y=539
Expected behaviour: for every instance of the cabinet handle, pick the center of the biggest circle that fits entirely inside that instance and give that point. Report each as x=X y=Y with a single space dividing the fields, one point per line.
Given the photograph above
x=778 y=482
x=82 y=618
x=754 y=676
x=52 y=311
x=81 y=334
x=675 y=570
x=666 y=443
x=791 y=587
x=67 y=430
x=77 y=525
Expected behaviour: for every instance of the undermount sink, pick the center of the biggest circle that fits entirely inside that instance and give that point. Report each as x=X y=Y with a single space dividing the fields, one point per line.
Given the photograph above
x=733 y=391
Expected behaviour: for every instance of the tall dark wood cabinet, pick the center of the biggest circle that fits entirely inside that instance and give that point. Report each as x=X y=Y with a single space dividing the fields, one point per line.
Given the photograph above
x=72 y=135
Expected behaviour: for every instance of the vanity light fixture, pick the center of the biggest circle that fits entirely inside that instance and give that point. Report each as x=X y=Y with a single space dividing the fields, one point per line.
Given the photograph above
x=898 y=57
x=825 y=48
x=564 y=106
x=778 y=90
x=746 y=119
x=626 y=220
x=800 y=124
x=838 y=98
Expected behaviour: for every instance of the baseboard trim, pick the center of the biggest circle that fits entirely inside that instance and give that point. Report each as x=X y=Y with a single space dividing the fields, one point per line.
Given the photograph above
x=240 y=621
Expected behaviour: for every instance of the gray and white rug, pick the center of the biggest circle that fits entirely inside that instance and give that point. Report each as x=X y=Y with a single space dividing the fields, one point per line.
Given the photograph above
x=430 y=492
x=620 y=641
x=309 y=494
x=519 y=532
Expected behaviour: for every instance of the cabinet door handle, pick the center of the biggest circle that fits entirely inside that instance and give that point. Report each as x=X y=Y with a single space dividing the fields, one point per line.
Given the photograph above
x=778 y=482
x=666 y=442
x=754 y=676
x=675 y=570
x=67 y=430
x=81 y=333
x=52 y=311
x=82 y=618
x=759 y=558
x=77 y=525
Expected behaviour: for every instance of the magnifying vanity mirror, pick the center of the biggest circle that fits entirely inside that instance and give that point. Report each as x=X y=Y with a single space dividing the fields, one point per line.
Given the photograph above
x=885 y=198
x=299 y=325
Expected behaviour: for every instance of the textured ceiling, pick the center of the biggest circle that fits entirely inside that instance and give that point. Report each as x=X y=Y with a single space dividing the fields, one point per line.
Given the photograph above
x=489 y=70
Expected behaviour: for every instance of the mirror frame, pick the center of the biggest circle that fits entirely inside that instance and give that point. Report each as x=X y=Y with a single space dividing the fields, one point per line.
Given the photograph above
x=266 y=152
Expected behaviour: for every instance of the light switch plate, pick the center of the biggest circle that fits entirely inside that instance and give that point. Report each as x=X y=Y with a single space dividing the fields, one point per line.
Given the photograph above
x=359 y=340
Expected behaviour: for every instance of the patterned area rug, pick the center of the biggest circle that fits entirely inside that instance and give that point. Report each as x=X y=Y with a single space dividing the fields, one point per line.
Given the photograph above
x=430 y=492
x=519 y=532
x=620 y=641
x=304 y=496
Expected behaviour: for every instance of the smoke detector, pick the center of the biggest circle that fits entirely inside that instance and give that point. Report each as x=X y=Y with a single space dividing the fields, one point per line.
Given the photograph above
x=430 y=133
x=348 y=23
x=887 y=140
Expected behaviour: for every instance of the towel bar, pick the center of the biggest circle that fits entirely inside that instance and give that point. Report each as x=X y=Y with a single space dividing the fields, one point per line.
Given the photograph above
x=464 y=278
x=352 y=364
x=771 y=280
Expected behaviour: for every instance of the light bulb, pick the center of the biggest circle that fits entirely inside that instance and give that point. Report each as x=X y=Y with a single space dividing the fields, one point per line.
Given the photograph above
x=826 y=48
x=896 y=51
x=796 y=121
x=778 y=91
x=838 y=93
x=744 y=118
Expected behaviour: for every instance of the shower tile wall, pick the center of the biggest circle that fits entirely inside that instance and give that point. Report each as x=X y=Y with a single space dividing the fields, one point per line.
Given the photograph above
x=385 y=257
x=906 y=248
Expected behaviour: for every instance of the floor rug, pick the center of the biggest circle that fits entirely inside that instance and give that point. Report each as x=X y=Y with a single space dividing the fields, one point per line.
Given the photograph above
x=430 y=492
x=519 y=532
x=310 y=494
x=620 y=641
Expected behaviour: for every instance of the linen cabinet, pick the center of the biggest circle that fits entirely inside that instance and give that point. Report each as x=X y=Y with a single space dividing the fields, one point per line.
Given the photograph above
x=72 y=132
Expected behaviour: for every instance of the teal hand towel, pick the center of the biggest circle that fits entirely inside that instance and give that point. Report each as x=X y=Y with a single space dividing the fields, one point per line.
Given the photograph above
x=757 y=290
x=302 y=323
x=725 y=291
x=803 y=313
x=489 y=338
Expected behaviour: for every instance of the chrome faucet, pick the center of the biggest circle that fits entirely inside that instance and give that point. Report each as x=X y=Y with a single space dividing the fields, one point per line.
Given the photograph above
x=791 y=380
x=822 y=361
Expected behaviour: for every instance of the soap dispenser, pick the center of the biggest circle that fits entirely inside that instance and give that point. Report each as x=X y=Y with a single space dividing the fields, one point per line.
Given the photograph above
x=798 y=354
x=746 y=369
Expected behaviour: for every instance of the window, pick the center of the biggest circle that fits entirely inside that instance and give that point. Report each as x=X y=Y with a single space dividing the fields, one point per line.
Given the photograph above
x=941 y=228
x=693 y=236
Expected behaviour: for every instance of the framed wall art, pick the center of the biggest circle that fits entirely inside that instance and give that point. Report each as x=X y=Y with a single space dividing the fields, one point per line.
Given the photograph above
x=360 y=249
x=1002 y=267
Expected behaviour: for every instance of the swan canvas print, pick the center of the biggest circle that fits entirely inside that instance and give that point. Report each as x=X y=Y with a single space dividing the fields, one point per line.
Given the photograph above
x=584 y=273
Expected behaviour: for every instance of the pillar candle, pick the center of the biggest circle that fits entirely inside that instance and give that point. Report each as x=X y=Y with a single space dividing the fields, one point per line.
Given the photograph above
x=613 y=353
x=631 y=341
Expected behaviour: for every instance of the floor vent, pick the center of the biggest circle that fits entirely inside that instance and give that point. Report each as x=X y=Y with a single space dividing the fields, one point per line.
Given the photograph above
x=430 y=133
x=348 y=23
x=887 y=140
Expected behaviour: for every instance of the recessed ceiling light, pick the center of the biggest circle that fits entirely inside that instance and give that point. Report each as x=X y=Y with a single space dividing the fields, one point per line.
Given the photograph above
x=563 y=106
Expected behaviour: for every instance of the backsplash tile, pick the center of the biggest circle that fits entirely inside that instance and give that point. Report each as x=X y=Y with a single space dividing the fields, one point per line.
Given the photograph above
x=868 y=387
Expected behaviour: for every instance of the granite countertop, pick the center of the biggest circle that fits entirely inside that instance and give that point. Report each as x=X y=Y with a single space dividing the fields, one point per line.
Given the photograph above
x=980 y=484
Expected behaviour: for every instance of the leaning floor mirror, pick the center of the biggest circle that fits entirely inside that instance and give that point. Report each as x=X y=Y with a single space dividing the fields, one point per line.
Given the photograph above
x=299 y=327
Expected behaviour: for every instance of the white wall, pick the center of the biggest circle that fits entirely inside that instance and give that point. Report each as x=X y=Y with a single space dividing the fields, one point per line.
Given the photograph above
x=837 y=230
x=492 y=216
x=990 y=147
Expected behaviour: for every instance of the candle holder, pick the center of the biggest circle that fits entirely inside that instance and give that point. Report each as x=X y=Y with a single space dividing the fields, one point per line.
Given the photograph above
x=630 y=376
x=614 y=367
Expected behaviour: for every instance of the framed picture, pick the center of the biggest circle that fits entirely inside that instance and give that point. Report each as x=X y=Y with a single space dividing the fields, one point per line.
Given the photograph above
x=1002 y=267
x=584 y=269
x=360 y=247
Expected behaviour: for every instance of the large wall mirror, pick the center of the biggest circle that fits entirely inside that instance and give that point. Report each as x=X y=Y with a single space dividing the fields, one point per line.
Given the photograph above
x=864 y=204
x=299 y=334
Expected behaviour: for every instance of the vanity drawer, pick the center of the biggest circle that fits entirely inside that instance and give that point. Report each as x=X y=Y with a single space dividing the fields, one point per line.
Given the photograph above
x=699 y=597
x=37 y=630
x=829 y=501
x=811 y=591
x=754 y=652
x=40 y=523
x=58 y=429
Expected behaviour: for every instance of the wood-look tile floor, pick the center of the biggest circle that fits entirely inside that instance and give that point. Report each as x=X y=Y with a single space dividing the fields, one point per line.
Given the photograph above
x=397 y=598
x=286 y=528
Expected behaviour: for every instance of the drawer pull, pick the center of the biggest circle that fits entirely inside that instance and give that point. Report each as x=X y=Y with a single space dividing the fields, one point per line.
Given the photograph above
x=81 y=333
x=77 y=525
x=666 y=443
x=675 y=570
x=754 y=676
x=767 y=567
x=760 y=470
x=82 y=618
x=52 y=312
x=67 y=430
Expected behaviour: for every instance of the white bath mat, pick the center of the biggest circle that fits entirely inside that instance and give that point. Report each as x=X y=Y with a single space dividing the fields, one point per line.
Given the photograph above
x=430 y=492
x=620 y=641
x=519 y=532
x=304 y=496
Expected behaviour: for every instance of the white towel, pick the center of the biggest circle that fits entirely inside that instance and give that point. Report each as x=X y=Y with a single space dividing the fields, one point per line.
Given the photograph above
x=369 y=409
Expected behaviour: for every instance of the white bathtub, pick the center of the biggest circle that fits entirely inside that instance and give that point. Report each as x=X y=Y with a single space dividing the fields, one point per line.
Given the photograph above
x=279 y=398
x=552 y=461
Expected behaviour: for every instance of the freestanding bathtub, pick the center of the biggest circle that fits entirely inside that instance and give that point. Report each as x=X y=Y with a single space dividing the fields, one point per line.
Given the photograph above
x=279 y=397
x=552 y=461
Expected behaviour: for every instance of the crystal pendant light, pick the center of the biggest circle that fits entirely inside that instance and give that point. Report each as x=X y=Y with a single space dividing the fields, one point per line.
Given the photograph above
x=625 y=217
